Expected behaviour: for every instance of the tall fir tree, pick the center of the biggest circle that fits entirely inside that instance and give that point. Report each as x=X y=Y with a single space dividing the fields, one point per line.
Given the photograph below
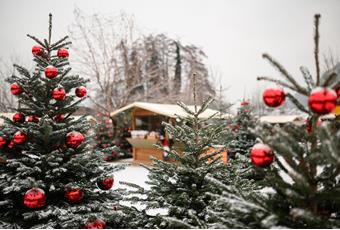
x=303 y=182
x=51 y=178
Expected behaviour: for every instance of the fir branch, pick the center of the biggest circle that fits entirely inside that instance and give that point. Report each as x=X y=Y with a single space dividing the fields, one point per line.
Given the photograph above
x=330 y=79
x=58 y=42
x=297 y=103
x=37 y=40
x=281 y=83
x=308 y=78
x=316 y=49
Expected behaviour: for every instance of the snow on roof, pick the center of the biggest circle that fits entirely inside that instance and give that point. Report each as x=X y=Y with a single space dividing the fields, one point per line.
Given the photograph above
x=278 y=119
x=169 y=110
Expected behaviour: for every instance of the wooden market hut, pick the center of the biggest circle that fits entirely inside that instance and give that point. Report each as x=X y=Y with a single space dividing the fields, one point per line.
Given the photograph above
x=146 y=119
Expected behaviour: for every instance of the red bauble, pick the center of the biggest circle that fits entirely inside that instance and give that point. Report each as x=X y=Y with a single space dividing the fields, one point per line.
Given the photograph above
x=37 y=50
x=15 y=89
x=35 y=198
x=59 y=118
x=95 y=224
x=19 y=138
x=322 y=101
x=274 y=97
x=58 y=94
x=74 y=139
x=18 y=117
x=74 y=195
x=245 y=103
x=51 y=72
x=33 y=118
x=11 y=145
x=105 y=184
x=3 y=142
x=81 y=91
x=261 y=155
x=62 y=53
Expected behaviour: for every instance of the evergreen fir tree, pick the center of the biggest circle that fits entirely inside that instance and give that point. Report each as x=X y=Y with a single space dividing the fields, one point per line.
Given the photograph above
x=303 y=182
x=51 y=177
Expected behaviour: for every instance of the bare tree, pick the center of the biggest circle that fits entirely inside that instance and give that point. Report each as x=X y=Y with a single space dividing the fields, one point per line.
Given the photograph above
x=7 y=100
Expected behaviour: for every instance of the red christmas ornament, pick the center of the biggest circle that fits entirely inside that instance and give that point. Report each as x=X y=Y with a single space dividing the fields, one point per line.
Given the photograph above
x=18 y=117
x=51 y=72
x=261 y=155
x=95 y=224
x=37 y=50
x=58 y=94
x=106 y=158
x=35 y=198
x=245 y=103
x=81 y=91
x=105 y=184
x=19 y=138
x=59 y=118
x=322 y=101
x=274 y=97
x=74 y=195
x=3 y=142
x=33 y=118
x=74 y=139
x=62 y=53
x=11 y=145
x=15 y=89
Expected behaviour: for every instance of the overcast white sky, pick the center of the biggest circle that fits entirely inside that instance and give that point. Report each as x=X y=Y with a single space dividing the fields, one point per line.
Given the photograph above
x=233 y=34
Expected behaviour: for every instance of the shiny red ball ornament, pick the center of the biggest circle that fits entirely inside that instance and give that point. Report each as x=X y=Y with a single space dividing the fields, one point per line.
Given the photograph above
x=74 y=195
x=18 y=117
x=51 y=72
x=35 y=198
x=105 y=184
x=37 y=50
x=261 y=155
x=274 y=97
x=59 y=117
x=16 y=89
x=322 y=101
x=33 y=118
x=74 y=139
x=81 y=91
x=95 y=224
x=58 y=94
x=62 y=53
x=19 y=138
x=3 y=142
x=245 y=103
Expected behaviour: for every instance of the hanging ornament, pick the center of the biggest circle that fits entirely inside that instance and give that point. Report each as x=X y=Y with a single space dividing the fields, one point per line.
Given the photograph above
x=62 y=53
x=74 y=139
x=105 y=184
x=35 y=198
x=3 y=142
x=322 y=100
x=95 y=224
x=81 y=91
x=274 y=97
x=33 y=118
x=19 y=138
x=261 y=155
x=74 y=195
x=16 y=89
x=37 y=50
x=59 y=117
x=245 y=103
x=51 y=72
x=58 y=94
x=18 y=117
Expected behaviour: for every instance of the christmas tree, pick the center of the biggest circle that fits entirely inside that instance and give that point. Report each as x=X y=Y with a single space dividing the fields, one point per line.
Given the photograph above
x=303 y=182
x=50 y=177
x=180 y=188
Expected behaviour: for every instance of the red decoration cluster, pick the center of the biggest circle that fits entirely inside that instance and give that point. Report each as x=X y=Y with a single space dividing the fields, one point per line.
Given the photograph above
x=37 y=50
x=62 y=53
x=33 y=118
x=81 y=91
x=245 y=103
x=261 y=155
x=74 y=139
x=18 y=117
x=16 y=89
x=105 y=184
x=58 y=94
x=19 y=138
x=96 y=224
x=59 y=118
x=51 y=72
x=322 y=101
x=274 y=97
x=74 y=195
x=35 y=198
x=3 y=142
